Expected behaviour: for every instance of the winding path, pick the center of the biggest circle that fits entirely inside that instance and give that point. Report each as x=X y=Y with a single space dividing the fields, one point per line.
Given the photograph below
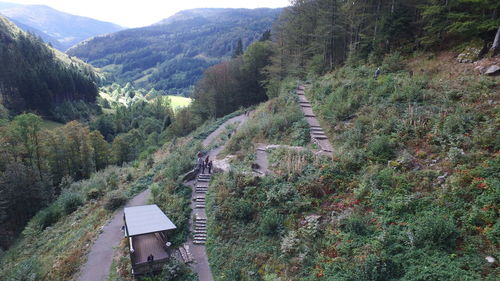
x=100 y=256
x=200 y=263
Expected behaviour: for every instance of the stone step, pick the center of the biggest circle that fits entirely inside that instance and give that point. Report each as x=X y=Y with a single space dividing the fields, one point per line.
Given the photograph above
x=202 y=224
x=200 y=231
x=202 y=184
x=200 y=206
x=203 y=179
x=306 y=105
x=309 y=115
x=200 y=200
x=198 y=242
x=201 y=191
x=200 y=219
x=200 y=235
x=204 y=175
x=188 y=252
x=184 y=255
x=320 y=137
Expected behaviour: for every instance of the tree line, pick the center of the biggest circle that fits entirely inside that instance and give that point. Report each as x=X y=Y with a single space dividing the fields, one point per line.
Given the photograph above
x=37 y=164
x=318 y=35
x=32 y=78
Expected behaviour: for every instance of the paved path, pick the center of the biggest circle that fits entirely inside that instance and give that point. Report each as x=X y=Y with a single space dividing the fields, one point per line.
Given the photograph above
x=317 y=133
x=101 y=254
x=200 y=263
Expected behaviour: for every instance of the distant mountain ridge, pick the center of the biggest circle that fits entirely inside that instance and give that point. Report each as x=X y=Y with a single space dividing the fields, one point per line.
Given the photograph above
x=61 y=29
x=172 y=54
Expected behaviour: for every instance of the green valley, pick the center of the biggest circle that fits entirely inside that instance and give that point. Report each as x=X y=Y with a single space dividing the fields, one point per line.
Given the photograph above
x=171 y=55
x=329 y=140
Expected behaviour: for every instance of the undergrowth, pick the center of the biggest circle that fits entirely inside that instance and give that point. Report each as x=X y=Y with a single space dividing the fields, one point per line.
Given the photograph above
x=411 y=193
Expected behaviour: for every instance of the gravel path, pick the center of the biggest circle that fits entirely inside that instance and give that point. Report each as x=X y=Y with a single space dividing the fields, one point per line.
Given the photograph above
x=101 y=254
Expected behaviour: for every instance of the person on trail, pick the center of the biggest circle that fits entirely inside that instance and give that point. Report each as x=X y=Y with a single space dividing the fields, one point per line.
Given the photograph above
x=151 y=258
x=210 y=167
x=207 y=160
x=203 y=165
x=377 y=73
x=200 y=163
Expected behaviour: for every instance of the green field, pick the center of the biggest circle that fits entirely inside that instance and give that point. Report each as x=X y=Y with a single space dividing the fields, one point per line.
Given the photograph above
x=50 y=125
x=178 y=102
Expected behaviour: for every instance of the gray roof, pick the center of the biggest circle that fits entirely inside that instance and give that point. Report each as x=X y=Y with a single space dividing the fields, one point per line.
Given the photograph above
x=146 y=219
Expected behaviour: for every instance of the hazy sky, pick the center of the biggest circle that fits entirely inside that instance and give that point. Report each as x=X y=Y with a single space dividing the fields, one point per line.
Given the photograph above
x=143 y=12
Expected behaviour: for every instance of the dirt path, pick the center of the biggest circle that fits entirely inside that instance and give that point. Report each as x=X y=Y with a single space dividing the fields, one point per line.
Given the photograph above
x=100 y=256
x=200 y=263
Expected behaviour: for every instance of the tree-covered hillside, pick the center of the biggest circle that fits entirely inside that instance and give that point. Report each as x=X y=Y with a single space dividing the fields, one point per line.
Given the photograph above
x=61 y=29
x=172 y=55
x=35 y=77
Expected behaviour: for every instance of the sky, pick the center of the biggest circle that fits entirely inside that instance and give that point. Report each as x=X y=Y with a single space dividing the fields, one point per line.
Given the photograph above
x=143 y=12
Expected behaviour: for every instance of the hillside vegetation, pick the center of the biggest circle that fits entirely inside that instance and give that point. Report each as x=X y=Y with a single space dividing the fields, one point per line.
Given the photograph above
x=35 y=77
x=410 y=193
x=171 y=56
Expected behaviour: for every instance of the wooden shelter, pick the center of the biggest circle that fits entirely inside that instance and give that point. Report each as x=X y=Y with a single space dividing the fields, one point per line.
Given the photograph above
x=146 y=228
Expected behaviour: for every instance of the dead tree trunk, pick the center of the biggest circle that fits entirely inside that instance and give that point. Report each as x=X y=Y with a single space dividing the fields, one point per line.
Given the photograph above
x=495 y=48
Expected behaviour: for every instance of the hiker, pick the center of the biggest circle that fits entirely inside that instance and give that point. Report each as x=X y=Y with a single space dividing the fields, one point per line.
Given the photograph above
x=200 y=163
x=203 y=165
x=206 y=160
x=151 y=258
x=377 y=73
x=210 y=167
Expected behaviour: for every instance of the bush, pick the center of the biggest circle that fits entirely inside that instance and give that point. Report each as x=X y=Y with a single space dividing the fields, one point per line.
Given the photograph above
x=115 y=200
x=381 y=149
x=70 y=201
x=433 y=229
x=28 y=270
x=393 y=62
x=242 y=210
x=270 y=223
x=48 y=216
x=93 y=194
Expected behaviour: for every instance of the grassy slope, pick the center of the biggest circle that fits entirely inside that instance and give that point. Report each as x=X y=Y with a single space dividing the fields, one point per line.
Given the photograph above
x=50 y=125
x=410 y=194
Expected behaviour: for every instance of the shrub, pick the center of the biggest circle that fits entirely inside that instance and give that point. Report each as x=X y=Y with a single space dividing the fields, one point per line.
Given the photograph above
x=93 y=194
x=381 y=149
x=270 y=223
x=115 y=200
x=27 y=270
x=70 y=201
x=242 y=210
x=356 y=224
x=48 y=216
x=393 y=62
x=434 y=229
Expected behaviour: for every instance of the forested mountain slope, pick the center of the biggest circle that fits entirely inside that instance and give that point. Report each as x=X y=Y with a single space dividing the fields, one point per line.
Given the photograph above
x=35 y=77
x=172 y=55
x=61 y=29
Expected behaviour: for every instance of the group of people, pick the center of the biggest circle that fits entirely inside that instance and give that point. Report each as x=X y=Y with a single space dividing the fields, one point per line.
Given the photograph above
x=204 y=164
